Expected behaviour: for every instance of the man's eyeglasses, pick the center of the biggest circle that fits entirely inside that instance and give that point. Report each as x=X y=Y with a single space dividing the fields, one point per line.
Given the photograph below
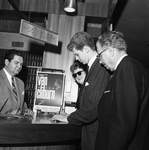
x=99 y=55
x=78 y=73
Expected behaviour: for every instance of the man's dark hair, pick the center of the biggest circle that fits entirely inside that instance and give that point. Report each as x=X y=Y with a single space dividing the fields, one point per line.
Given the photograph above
x=79 y=40
x=11 y=53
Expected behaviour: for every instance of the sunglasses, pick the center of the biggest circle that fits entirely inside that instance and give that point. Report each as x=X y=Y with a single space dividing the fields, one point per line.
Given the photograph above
x=78 y=73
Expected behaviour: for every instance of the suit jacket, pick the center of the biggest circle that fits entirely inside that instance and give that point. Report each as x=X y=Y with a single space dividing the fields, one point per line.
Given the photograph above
x=123 y=113
x=89 y=97
x=7 y=93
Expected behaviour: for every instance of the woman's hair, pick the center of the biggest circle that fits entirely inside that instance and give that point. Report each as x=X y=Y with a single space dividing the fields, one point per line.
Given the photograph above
x=77 y=64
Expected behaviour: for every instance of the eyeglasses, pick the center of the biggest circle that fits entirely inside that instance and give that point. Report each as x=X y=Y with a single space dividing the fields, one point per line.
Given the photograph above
x=78 y=73
x=99 y=55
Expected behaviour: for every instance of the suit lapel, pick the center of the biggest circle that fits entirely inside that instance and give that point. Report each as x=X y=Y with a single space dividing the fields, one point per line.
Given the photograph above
x=6 y=82
x=86 y=79
x=92 y=67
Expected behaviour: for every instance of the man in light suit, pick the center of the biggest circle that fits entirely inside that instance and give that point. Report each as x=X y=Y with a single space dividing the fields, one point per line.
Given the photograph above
x=123 y=113
x=82 y=45
x=9 y=102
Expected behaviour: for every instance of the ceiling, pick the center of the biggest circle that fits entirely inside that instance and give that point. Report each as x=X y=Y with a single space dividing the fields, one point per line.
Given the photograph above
x=129 y=16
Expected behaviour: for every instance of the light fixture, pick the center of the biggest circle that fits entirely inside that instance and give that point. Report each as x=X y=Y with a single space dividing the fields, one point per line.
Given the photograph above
x=70 y=5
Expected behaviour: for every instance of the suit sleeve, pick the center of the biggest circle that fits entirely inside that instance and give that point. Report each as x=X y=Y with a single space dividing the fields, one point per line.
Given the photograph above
x=125 y=107
x=91 y=97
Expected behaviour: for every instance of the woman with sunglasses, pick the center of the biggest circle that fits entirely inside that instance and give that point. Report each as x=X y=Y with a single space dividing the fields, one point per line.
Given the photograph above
x=78 y=71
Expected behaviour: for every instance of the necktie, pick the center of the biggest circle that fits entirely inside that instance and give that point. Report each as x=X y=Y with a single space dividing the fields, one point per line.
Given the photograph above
x=87 y=69
x=14 y=89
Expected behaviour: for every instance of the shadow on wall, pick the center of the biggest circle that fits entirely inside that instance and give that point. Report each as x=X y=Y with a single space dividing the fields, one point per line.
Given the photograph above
x=118 y=11
x=53 y=49
x=36 y=46
x=41 y=46
x=23 y=74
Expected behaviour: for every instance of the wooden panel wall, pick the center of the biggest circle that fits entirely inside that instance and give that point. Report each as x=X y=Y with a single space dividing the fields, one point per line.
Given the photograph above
x=59 y=57
x=65 y=26
x=100 y=9
x=29 y=44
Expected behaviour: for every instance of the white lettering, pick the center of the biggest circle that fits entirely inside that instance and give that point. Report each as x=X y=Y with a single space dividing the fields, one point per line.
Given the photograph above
x=46 y=94
x=42 y=81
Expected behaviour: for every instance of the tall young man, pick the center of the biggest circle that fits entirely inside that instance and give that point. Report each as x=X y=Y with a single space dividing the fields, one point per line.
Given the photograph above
x=83 y=47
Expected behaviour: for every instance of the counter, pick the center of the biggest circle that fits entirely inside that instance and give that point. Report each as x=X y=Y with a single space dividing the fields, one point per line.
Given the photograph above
x=27 y=132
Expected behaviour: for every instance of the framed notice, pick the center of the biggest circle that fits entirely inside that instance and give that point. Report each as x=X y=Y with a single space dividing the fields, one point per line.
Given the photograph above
x=49 y=91
x=37 y=32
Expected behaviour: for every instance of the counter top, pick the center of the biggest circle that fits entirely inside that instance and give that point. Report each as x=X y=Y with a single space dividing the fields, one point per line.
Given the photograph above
x=29 y=130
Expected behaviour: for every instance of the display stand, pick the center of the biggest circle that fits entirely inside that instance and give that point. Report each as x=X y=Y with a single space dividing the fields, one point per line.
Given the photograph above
x=49 y=91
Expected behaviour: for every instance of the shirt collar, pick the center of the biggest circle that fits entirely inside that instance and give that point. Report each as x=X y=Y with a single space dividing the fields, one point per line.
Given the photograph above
x=91 y=61
x=120 y=59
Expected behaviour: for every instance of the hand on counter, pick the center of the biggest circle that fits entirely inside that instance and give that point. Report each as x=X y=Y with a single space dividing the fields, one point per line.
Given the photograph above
x=63 y=113
x=28 y=112
x=60 y=117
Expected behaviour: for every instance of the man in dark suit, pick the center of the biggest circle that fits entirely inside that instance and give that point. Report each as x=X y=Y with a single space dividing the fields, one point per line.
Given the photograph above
x=83 y=47
x=12 y=90
x=123 y=113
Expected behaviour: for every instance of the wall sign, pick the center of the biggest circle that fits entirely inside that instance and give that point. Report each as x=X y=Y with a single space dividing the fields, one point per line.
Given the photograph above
x=37 y=32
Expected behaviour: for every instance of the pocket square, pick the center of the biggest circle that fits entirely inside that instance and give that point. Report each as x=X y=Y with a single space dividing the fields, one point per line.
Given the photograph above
x=23 y=93
x=86 y=84
x=106 y=91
